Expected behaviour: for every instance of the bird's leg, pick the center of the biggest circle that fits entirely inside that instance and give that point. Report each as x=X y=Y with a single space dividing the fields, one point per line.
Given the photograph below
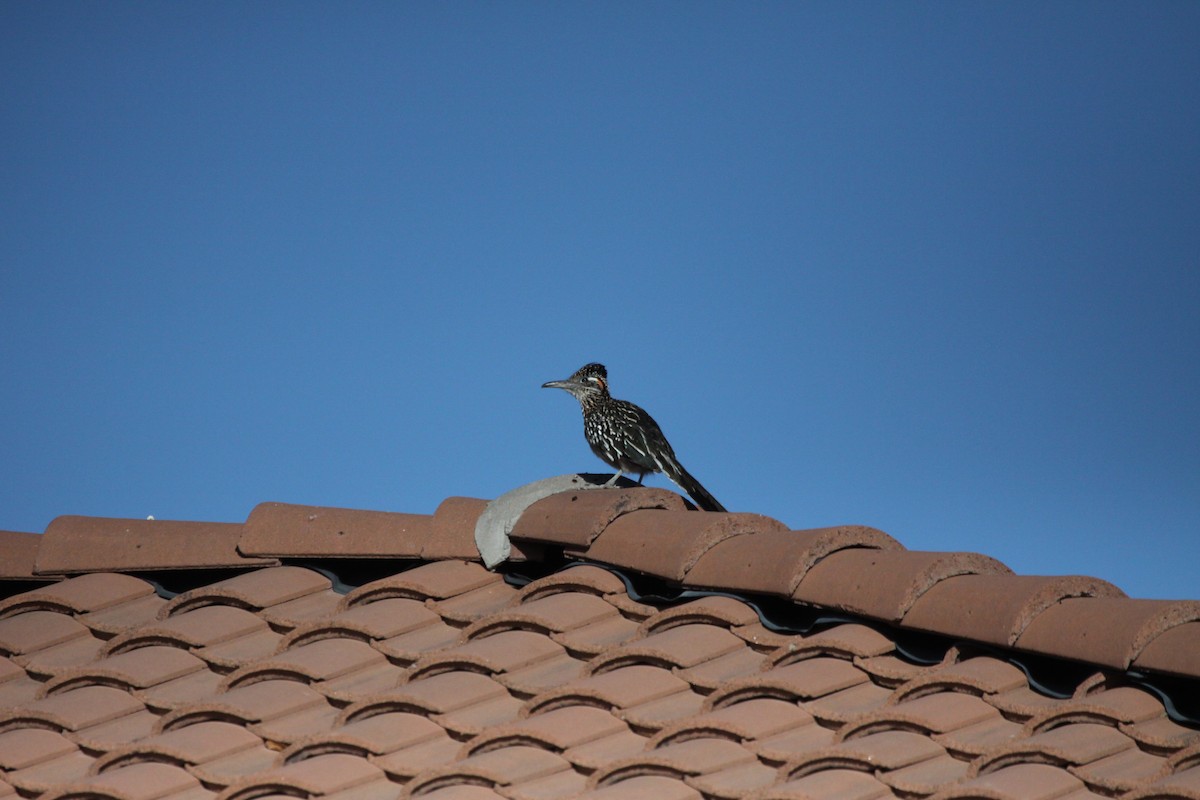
x=616 y=476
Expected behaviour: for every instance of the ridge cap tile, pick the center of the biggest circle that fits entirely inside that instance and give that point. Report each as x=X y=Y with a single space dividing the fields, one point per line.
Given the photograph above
x=1104 y=630
x=575 y=518
x=1174 y=651
x=885 y=584
x=774 y=560
x=453 y=535
x=18 y=554
x=668 y=544
x=997 y=608
x=74 y=543
x=287 y=530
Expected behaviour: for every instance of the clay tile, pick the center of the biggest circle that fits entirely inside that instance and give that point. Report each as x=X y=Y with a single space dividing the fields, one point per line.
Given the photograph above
x=1020 y=782
x=93 y=544
x=144 y=781
x=198 y=627
x=194 y=744
x=996 y=608
x=981 y=675
x=843 y=784
x=1066 y=745
x=1108 y=631
x=1121 y=772
x=555 y=613
x=31 y=631
x=321 y=660
x=574 y=519
x=621 y=688
x=22 y=748
x=848 y=705
x=437 y=694
x=461 y=791
x=709 y=676
x=254 y=703
x=756 y=718
x=75 y=709
x=285 y=530
x=1161 y=735
x=18 y=552
x=501 y=768
x=680 y=647
x=558 y=729
x=585 y=578
x=115 y=620
x=382 y=619
x=640 y=787
x=883 y=750
x=848 y=640
x=710 y=610
x=251 y=590
x=690 y=757
x=926 y=777
x=594 y=639
x=1176 y=650
x=809 y=678
x=774 y=560
x=471 y=606
x=1120 y=705
x=453 y=534
x=435 y=581
x=669 y=543
x=938 y=713
x=885 y=584
x=377 y=735
x=317 y=776
x=79 y=595
x=140 y=669
x=501 y=652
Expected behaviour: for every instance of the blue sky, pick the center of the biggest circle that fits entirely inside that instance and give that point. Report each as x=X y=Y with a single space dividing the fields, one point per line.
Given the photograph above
x=928 y=267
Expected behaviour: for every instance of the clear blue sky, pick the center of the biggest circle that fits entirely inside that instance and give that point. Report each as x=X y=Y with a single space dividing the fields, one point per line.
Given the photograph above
x=929 y=267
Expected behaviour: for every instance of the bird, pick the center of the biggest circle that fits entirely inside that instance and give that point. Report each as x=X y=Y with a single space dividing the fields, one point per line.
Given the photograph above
x=625 y=437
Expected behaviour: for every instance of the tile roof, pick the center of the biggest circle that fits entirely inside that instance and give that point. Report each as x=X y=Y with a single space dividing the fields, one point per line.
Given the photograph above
x=627 y=648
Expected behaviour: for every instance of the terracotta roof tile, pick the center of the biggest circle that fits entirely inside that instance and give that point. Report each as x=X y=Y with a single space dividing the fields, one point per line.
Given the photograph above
x=18 y=552
x=254 y=591
x=282 y=529
x=883 y=584
x=853 y=668
x=145 y=781
x=669 y=543
x=86 y=544
x=575 y=519
x=1107 y=631
x=774 y=560
x=79 y=595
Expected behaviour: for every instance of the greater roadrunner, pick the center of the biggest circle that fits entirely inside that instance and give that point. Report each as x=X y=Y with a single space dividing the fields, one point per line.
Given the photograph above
x=625 y=437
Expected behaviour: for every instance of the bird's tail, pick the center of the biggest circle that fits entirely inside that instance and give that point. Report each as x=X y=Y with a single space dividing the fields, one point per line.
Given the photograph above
x=700 y=496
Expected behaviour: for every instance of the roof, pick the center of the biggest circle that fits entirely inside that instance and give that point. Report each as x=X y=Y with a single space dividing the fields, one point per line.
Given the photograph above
x=629 y=647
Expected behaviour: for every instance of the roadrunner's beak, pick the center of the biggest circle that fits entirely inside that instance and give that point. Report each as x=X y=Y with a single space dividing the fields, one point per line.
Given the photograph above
x=565 y=384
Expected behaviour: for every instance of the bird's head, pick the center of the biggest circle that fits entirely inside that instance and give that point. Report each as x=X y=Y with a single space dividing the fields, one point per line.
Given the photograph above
x=589 y=381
